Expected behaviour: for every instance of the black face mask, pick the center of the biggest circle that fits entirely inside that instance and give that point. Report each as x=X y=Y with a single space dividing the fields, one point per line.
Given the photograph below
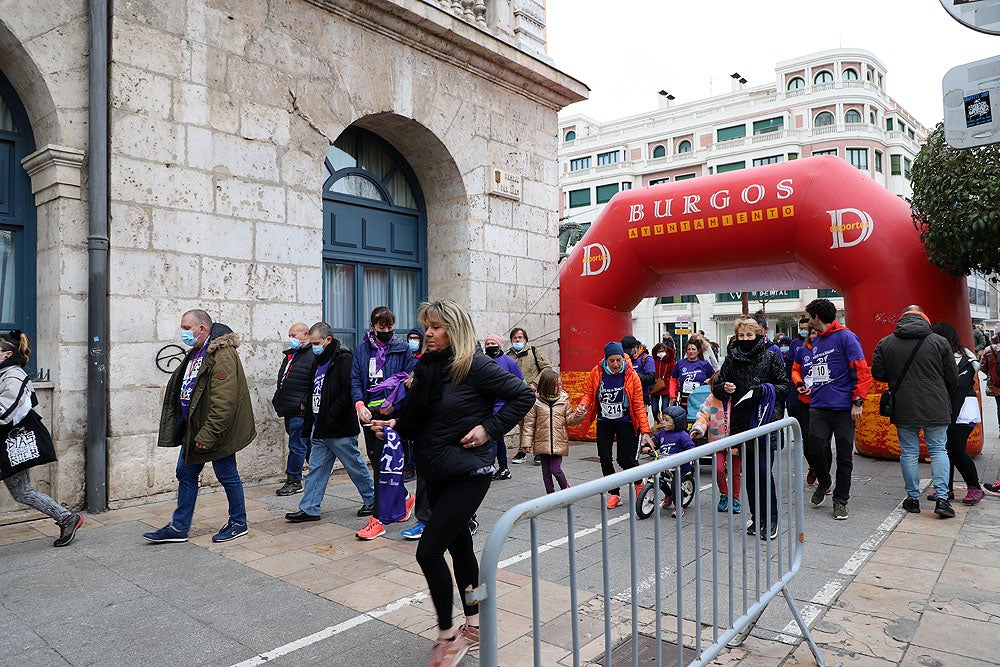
x=493 y=351
x=746 y=345
x=384 y=336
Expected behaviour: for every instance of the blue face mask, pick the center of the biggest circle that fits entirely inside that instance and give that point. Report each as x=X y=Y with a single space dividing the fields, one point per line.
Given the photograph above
x=518 y=346
x=188 y=337
x=803 y=332
x=784 y=348
x=317 y=350
x=414 y=345
x=294 y=343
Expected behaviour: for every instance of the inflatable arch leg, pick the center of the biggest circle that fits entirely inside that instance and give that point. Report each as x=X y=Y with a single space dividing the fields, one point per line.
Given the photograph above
x=813 y=222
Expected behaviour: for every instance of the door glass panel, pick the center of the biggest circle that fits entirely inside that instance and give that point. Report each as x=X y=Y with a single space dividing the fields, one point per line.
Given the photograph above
x=357 y=186
x=8 y=283
x=338 y=283
x=6 y=121
x=344 y=153
x=400 y=191
x=375 y=290
x=405 y=299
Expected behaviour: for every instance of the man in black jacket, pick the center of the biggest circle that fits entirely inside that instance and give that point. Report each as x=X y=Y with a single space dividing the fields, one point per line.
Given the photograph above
x=289 y=401
x=922 y=401
x=332 y=424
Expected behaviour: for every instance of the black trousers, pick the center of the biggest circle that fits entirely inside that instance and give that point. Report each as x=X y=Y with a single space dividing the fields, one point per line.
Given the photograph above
x=453 y=502
x=824 y=424
x=958 y=436
x=628 y=441
x=758 y=459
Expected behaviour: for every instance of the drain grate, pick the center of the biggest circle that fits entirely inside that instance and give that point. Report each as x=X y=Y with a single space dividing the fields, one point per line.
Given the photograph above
x=621 y=655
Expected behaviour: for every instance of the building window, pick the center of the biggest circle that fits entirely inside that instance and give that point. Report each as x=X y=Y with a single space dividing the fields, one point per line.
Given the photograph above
x=770 y=159
x=852 y=116
x=610 y=157
x=658 y=181
x=858 y=157
x=606 y=192
x=793 y=156
x=871 y=117
x=684 y=298
x=730 y=133
x=888 y=125
x=831 y=151
x=684 y=177
x=796 y=83
x=579 y=198
x=659 y=151
x=626 y=186
x=902 y=126
x=878 y=161
x=907 y=167
x=827 y=293
x=571 y=135
x=825 y=76
x=730 y=166
x=576 y=164
x=849 y=74
x=823 y=118
x=894 y=165
x=684 y=146
x=769 y=125
x=910 y=133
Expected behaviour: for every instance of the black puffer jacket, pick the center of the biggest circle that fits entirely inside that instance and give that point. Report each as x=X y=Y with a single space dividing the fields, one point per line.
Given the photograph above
x=336 y=418
x=438 y=453
x=923 y=398
x=291 y=395
x=967 y=368
x=747 y=371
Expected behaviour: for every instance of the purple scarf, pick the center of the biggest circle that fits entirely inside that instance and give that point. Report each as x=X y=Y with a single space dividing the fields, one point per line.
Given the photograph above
x=394 y=385
x=381 y=349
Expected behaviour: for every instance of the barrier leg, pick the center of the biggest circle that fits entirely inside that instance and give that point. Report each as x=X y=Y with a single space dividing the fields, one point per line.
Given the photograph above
x=805 y=631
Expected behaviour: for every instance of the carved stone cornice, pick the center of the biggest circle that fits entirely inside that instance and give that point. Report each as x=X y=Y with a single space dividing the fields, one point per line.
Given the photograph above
x=55 y=171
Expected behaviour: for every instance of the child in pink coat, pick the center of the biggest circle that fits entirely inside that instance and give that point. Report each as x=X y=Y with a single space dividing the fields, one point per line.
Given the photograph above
x=713 y=422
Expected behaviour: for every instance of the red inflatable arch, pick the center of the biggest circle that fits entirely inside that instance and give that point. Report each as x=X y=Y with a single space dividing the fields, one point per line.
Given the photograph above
x=812 y=222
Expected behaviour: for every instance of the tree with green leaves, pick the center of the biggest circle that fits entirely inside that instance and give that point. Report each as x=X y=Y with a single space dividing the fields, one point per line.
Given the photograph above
x=956 y=205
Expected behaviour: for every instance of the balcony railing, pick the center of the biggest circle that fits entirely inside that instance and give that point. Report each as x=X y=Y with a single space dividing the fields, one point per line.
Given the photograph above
x=520 y=22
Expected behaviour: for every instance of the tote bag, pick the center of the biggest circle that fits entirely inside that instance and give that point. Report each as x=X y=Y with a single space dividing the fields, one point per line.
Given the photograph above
x=25 y=445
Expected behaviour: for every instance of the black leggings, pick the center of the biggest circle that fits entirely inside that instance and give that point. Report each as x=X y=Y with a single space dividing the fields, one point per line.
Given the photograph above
x=453 y=502
x=628 y=441
x=958 y=436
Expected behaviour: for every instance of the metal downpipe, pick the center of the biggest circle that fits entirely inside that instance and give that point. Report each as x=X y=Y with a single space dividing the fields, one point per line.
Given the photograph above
x=96 y=453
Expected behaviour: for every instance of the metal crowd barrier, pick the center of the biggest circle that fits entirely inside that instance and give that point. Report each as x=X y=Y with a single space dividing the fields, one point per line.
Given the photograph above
x=735 y=575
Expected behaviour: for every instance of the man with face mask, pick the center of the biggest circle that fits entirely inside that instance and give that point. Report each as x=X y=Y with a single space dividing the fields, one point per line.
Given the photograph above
x=208 y=414
x=289 y=401
x=331 y=425
x=378 y=357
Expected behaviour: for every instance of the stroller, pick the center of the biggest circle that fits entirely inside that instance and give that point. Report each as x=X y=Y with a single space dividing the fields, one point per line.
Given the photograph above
x=646 y=503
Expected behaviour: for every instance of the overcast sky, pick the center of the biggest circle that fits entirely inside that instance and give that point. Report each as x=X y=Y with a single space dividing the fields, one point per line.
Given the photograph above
x=627 y=50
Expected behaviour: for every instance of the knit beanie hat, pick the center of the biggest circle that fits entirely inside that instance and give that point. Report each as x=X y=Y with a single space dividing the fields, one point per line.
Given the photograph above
x=613 y=348
x=495 y=338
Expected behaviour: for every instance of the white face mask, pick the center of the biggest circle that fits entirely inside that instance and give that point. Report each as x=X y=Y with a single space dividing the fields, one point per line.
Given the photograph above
x=660 y=355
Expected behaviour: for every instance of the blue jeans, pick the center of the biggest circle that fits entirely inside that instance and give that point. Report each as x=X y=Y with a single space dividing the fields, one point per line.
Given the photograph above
x=500 y=452
x=936 y=438
x=187 y=490
x=298 y=447
x=321 y=459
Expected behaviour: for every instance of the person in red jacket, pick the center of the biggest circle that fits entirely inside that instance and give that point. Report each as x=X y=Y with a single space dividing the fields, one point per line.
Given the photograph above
x=664 y=359
x=613 y=396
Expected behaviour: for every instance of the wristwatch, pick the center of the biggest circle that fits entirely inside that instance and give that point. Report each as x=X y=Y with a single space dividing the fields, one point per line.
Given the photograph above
x=859 y=401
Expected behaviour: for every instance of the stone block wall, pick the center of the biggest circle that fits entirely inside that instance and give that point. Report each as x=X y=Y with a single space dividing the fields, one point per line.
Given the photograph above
x=222 y=113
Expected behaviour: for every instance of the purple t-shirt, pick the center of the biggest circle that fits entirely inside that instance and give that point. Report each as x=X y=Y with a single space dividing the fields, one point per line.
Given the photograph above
x=690 y=374
x=190 y=376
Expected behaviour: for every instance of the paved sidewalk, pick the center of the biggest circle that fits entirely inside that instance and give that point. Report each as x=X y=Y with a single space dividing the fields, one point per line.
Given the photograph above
x=928 y=596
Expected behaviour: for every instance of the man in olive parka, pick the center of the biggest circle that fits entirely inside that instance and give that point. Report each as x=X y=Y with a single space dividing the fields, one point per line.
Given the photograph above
x=208 y=414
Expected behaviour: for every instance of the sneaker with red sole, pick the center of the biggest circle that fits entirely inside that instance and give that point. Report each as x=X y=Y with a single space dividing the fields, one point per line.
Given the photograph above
x=372 y=530
x=614 y=501
x=411 y=500
x=68 y=527
x=992 y=489
x=811 y=477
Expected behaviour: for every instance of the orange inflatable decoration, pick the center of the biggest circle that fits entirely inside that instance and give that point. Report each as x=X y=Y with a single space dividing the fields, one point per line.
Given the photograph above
x=812 y=222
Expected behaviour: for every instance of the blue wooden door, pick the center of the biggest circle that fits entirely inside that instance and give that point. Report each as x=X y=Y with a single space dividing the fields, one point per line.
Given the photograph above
x=17 y=217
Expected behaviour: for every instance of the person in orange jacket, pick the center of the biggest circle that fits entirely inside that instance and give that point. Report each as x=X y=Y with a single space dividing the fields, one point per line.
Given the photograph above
x=613 y=396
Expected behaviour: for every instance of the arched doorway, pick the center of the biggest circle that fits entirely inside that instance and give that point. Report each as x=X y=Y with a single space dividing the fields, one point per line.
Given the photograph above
x=374 y=235
x=813 y=222
x=17 y=216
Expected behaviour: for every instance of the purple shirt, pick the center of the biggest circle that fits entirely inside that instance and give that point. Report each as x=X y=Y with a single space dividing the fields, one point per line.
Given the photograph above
x=509 y=364
x=190 y=376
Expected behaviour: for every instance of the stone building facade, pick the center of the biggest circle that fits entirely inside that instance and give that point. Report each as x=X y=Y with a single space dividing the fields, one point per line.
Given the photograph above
x=274 y=161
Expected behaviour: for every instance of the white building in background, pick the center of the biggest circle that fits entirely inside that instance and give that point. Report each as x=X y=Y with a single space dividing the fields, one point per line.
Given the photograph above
x=828 y=103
